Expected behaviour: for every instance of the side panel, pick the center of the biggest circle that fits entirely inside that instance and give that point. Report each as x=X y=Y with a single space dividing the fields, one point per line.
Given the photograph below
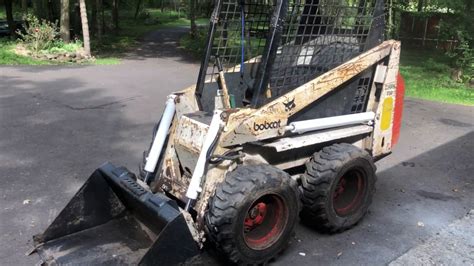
x=250 y=125
x=382 y=136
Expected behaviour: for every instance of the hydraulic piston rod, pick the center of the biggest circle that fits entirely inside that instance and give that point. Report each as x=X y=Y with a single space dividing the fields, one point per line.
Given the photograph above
x=330 y=122
x=160 y=137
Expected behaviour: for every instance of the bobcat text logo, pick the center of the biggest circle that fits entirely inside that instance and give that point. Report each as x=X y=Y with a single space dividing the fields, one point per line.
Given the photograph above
x=266 y=125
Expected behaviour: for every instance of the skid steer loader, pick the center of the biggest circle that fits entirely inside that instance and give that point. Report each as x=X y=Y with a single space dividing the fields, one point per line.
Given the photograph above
x=294 y=101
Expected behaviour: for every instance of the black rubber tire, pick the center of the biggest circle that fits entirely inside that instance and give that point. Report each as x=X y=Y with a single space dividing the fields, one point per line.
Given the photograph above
x=232 y=201
x=320 y=181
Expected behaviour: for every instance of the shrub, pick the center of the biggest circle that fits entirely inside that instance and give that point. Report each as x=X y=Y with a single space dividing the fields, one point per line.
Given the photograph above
x=195 y=44
x=463 y=56
x=432 y=65
x=59 y=46
x=39 y=34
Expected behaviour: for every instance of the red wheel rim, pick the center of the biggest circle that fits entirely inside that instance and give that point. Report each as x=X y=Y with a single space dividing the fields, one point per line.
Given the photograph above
x=265 y=221
x=349 y=191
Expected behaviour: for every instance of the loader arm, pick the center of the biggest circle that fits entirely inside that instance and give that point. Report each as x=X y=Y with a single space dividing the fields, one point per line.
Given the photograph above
x=241 y=127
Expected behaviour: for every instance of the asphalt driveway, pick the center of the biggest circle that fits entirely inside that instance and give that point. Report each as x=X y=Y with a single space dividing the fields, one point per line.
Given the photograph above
x=57 y=124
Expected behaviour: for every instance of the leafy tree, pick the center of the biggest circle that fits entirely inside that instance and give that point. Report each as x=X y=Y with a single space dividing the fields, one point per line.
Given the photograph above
x=461 y=29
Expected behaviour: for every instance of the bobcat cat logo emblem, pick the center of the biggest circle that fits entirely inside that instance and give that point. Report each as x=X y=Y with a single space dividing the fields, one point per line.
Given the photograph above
x=289 y=105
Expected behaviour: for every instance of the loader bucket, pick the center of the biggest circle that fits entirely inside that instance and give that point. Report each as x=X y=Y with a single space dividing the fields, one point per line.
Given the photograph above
x=113 y=220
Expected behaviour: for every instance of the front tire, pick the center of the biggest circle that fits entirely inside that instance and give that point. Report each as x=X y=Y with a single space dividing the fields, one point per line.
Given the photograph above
x=252 y=215
x=338 y=187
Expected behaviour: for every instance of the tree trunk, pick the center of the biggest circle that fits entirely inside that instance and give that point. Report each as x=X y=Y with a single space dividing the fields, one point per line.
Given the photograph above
x=115 y=13
x=50 y=9
x=420 y=5
x=24 y=6
x=65 y=22
x=10 y=21
x=137 y=10
x=192 y=17
x=93 y=22
x=468 y=10
x=100 y=19
x=43 y=9
x=390 y=26
x=85 y=27
x=77 y=19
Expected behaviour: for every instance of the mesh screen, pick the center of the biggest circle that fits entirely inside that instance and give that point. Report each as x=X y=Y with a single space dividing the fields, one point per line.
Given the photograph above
x=228 y=40
x=317 y=36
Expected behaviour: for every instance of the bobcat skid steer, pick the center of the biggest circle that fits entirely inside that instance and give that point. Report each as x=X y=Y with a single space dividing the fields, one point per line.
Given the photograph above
x=294 y=101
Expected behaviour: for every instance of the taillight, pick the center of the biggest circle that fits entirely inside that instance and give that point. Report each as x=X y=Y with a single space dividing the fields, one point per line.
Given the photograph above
x=398 y=109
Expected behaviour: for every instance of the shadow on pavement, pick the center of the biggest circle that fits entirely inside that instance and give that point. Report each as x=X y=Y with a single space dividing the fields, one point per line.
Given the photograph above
x=163 y=43
x=48 y=148
x=49 y=145
x=437 y=188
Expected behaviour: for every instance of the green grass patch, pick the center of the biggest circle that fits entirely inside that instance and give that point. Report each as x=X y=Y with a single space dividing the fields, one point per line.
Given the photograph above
x=8 y=56
x=107 y=61
x=428 y=76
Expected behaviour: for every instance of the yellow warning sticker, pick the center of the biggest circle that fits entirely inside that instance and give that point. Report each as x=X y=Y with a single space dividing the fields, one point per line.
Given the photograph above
x=387 y=110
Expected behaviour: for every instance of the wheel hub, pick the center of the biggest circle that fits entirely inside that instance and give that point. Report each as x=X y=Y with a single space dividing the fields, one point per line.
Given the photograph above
x=340 y=188
x=256 y=216
x=349 y=191
x=264 y=222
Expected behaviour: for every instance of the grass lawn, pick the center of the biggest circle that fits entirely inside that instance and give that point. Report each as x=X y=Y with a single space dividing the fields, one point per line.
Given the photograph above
x=8 y=56
x=427 y=76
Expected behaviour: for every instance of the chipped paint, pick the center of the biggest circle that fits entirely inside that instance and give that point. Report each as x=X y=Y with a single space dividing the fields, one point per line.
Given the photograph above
x=187 y=134
x=241 y=123
x=382 y=135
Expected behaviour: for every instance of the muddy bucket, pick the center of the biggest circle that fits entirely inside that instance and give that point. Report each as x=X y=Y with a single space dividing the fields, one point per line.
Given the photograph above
x=113 y=220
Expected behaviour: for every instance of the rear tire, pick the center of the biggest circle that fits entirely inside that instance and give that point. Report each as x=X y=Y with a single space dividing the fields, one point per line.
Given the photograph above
x=338 y=187
x=252 y=215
